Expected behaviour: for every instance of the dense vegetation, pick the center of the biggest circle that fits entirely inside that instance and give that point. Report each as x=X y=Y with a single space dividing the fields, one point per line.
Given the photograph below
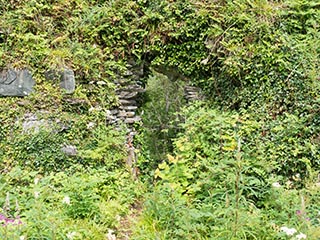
x=242 y=164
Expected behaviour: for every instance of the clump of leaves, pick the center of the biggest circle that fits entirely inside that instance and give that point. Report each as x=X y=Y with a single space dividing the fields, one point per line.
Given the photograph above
x=221 y=180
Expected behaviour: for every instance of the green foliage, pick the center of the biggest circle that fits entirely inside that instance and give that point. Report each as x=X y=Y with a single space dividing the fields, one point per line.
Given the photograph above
x=229 y=175
x=247 y=55
x=89 y=202
x=105 y=147
x=94 y=39
x=160 y=120
x=260 y=58
x=221 y=183
x=257 y=55
x=37 y=151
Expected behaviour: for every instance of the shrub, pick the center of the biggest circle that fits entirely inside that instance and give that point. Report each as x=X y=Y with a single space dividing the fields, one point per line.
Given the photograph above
x=220 y=183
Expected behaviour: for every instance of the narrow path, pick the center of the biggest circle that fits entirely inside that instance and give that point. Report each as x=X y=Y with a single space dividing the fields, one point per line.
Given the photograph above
x=127 y=222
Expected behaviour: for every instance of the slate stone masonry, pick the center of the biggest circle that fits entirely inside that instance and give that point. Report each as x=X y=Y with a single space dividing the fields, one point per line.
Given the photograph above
x=19 y=83
x=127 y=91
x=65 y=78
x=192 y=94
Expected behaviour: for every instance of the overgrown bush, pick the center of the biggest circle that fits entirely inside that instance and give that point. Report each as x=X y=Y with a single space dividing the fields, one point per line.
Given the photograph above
x=247 y=172
x=89 y=202
x=223 y=181
x=258 y=55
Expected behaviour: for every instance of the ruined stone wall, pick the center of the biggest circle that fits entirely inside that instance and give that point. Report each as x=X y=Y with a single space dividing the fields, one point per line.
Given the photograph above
x=129 y=88
x=192 y=94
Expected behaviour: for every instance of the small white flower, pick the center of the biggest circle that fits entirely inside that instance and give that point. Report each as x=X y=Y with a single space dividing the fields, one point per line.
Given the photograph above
x=90 y=125
x=36 y=181
x=22 y=237
x=71 y=235
x=36 y=194
x=95 y=109
x=276 y=185
x=101 y=83
x=301 y=236
x=288 y=231
x=66 y=200
x=110 y=235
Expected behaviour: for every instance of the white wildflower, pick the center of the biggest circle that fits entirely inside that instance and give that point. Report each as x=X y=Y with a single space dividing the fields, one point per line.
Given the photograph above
x=36 y=194
x=71 y=235
x=276 y=185
x=95 y=109
x=90 y=125
x=101 y=83
x=22 y=237
x=36 y=181
x=288 y=231
x=301 y=236
x=66 y=200
x=110 y=235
